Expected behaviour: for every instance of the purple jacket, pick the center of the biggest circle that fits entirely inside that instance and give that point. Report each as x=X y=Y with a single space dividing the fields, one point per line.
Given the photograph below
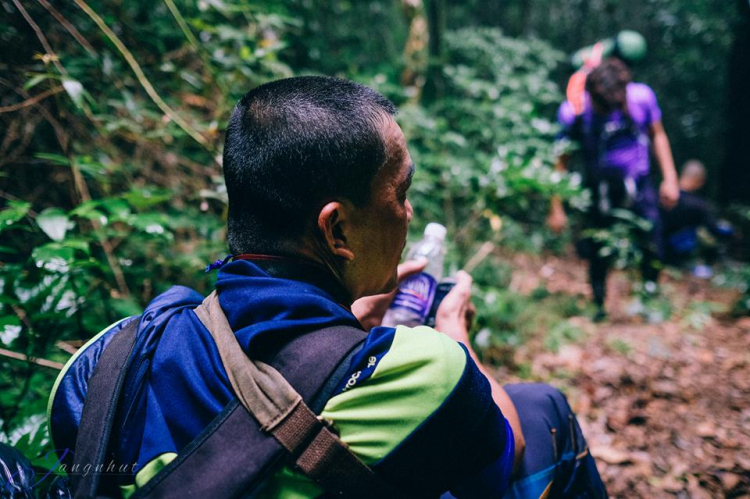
x=614 y=141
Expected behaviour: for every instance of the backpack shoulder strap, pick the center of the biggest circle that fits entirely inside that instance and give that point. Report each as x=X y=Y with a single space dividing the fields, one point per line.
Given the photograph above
x=233 y=456
x=267 y=395
x=99 y=411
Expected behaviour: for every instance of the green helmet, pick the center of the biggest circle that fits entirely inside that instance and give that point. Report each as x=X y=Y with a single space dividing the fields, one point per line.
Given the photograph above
x=627 y=45
x=631 y=46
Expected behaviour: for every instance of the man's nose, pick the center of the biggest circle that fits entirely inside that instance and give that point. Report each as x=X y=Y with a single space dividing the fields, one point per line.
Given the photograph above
x=409 y=211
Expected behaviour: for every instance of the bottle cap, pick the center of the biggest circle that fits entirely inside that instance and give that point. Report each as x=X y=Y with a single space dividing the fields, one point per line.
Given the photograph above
x=435 y=230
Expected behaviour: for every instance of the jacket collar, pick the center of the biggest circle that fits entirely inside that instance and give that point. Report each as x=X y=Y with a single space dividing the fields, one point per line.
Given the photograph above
x=300 y=269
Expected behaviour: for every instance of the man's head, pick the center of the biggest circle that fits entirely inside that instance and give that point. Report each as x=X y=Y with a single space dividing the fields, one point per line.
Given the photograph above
x=315 y=166
x=607 y=86
x=693 y=176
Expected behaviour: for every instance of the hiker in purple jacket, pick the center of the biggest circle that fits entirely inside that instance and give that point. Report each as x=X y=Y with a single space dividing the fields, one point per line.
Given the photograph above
x=619 y=121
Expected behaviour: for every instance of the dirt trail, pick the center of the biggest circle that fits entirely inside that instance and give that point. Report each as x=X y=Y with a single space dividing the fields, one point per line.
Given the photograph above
x=665 y=407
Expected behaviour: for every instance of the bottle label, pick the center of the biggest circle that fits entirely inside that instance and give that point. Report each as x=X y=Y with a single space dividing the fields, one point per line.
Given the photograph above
x=415 y=294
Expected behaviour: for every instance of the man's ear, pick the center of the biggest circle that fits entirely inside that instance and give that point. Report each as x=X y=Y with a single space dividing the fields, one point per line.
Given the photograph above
x=334 y=225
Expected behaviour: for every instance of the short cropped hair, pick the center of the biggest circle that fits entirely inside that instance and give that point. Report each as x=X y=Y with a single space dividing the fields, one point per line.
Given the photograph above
x=694 y=168
x=291 y=146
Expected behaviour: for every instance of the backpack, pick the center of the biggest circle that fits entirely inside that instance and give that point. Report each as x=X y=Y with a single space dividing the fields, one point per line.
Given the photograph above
x=613 y=187
x=271 y=422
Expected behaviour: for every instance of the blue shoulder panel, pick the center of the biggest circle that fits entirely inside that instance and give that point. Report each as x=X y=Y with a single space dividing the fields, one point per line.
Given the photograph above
x=466 y=434
x=69 y=392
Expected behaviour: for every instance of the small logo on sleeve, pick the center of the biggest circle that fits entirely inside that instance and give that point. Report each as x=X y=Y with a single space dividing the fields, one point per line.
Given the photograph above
x=352 y=380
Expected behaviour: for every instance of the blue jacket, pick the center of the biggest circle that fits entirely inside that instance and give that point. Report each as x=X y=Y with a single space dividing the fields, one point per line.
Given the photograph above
x=413 y=405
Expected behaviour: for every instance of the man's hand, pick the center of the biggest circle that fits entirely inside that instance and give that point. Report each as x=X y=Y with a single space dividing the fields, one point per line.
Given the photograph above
x=456 y=312
x=669 y=193
x=371 y=309
x=557 y=219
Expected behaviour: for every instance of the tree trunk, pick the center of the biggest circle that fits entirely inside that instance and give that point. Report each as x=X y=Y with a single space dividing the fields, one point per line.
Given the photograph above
x=416 y=56
x=734 y=177
x=436 y=15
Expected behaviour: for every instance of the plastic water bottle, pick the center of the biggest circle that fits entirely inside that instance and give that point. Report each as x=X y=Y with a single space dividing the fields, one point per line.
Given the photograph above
x=415 y=295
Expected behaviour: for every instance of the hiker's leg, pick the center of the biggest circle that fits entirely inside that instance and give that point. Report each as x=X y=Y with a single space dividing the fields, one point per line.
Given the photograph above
x=587 y=249
x=598 y=267
x=557 y=457
x=652 y=245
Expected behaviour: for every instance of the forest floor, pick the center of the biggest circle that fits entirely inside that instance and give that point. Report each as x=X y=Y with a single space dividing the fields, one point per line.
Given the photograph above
x=665 y=407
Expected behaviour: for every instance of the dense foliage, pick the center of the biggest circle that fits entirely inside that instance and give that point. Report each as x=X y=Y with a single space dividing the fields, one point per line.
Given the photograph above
x=112 y=183
x=687 y=64
x=484 y=149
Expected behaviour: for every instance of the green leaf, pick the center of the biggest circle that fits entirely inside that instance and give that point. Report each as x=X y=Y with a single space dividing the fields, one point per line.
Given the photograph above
x=85 y=210
x=145 y=198
x=118 y=208
x=74 y=90
x=31 y=437
x=151 y=223
x=53 y=257
x=53 y=158
x=91 y=213
x=36 y=80
x=55 y=223
x=15 y=211
x=126 y=307
x=89 y=167
x=77 y=244
x=10 y=329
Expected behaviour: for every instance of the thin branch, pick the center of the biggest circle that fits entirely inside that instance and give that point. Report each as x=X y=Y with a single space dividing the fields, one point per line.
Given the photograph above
x=69 y=27
x=21 y=314
x=66 y=347
x=85 y=196
x=11 y=134
x=28 y=132
x=467 y=225
x=195 y=167
x=51 y=53
x=31 y=101
x=79 y=38
x=33 y=360
x=478 y=257
x=183 y=25
x=197 y=47
x=145 y=83
x=62 y=137
x=11 y=197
